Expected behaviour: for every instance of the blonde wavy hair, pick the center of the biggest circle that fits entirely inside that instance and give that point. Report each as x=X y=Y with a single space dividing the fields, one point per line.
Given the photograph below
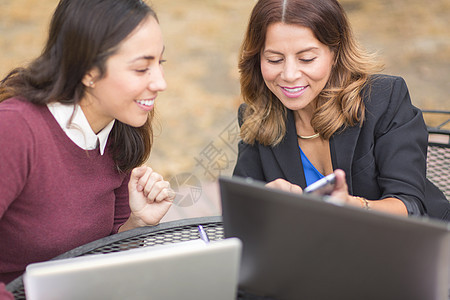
x=340 y=103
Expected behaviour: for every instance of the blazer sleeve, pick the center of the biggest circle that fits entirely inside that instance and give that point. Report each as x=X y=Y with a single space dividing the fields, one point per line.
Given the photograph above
x=401 y=150
x=248 y=162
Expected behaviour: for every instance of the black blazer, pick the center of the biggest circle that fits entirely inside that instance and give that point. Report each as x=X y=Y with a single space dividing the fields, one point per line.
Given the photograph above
x=386 y=157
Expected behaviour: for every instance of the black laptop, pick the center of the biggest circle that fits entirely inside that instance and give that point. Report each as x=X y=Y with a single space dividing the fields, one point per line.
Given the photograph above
x=302 y=247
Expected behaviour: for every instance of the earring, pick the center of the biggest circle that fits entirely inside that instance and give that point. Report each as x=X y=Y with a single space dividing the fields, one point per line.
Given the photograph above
x=91 y=83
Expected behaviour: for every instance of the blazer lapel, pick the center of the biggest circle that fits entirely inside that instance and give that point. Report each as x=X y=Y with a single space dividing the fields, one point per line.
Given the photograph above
x=342 y=147
x=287 y=154
x=342 y=151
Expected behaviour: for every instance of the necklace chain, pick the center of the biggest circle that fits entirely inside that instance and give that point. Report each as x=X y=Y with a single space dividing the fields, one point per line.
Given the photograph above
x=308 y=137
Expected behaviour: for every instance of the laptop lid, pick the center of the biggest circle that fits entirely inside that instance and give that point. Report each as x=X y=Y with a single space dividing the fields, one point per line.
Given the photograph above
x=184 y=270
x=299 y=247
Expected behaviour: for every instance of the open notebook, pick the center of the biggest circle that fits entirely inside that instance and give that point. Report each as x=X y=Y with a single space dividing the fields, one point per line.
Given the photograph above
x=184 y=270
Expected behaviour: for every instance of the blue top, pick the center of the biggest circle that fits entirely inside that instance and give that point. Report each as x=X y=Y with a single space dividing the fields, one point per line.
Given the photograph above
x=311 y=173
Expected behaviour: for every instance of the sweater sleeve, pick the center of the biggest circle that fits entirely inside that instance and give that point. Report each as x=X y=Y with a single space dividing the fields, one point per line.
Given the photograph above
x=16 y=152
x=122 y=206
x=4 y=294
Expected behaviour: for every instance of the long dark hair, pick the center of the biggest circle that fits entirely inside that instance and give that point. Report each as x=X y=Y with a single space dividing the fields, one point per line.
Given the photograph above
x=339 y=104
x=83 y=34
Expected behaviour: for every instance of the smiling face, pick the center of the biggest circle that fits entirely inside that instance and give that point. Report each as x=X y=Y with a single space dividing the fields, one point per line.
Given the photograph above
x=133 y=78
x=295 y=65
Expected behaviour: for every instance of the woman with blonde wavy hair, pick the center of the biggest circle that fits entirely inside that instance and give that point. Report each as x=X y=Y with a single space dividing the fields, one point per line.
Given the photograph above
x=314 y=105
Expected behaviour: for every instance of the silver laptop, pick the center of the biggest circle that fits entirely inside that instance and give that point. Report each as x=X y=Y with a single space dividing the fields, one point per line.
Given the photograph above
x=300 y=247
x=185 y=270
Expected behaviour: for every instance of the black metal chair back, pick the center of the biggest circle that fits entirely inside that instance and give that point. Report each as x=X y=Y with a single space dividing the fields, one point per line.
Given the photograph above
x=438 y=158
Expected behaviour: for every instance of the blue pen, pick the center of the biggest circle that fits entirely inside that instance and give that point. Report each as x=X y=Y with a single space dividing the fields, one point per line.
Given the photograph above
x=203 y=234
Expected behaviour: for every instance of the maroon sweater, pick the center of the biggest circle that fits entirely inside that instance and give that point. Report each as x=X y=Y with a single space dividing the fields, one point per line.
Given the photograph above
x=54 y=196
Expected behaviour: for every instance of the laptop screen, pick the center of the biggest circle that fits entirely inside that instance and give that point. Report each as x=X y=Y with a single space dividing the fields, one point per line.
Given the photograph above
x=184 y=270
x=300 y=247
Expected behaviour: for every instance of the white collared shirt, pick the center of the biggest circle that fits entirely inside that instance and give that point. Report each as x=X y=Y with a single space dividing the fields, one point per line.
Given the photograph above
x=74 y=123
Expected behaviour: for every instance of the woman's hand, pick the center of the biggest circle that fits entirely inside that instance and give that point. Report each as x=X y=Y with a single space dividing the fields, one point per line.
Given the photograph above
x=341 y=189
x=388 y=205
x=285 y=185
x=340 y=192
x=340 y=195
x=150 y=198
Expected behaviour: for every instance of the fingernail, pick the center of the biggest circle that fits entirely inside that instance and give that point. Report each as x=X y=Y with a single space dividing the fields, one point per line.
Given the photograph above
x=139 y=188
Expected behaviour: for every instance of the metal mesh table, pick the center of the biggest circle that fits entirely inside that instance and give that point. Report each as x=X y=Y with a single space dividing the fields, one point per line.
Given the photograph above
x=165 y=233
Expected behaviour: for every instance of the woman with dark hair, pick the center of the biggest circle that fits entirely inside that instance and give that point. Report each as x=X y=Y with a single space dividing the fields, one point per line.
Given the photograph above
x=75 y=131
x=314 y=105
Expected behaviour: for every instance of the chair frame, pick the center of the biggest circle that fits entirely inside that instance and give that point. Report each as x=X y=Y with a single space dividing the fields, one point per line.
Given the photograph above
x=438 y=158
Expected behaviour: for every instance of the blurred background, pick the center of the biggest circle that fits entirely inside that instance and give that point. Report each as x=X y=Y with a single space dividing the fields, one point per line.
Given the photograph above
x=197 y=132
